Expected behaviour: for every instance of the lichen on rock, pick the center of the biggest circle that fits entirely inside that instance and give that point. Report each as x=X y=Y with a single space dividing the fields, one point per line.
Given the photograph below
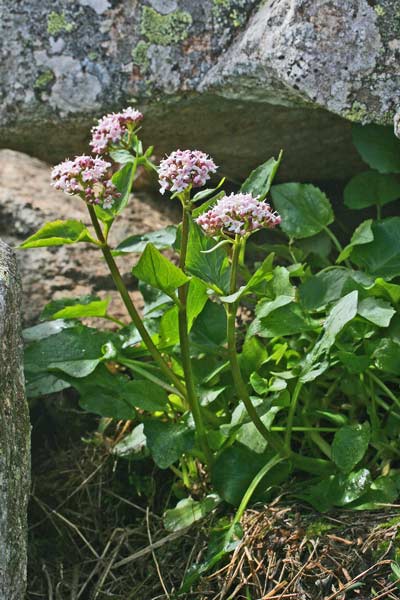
x=57 y=22
x=165 y=30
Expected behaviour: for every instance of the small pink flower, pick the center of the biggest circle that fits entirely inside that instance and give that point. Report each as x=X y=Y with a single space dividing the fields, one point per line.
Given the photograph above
x=111 y=129
x=87 y=177
x=184 y=168
x=238 y=214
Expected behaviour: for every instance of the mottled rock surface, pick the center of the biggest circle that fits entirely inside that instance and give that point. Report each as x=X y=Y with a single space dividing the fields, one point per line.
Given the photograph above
x=27 y=202
x=238 y=78
x=14 y=436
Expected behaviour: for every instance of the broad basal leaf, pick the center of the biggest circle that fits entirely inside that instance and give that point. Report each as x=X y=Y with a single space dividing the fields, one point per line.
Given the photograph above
x=161 y=239
x=371 y=188
x=349 y=445
x=378 y=147
x=168 y=441
x=304 y=209
x=381 y=256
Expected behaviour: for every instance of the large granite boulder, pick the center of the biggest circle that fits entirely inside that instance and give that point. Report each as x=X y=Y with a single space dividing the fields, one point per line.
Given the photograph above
x=14 y=436
x=238 y=78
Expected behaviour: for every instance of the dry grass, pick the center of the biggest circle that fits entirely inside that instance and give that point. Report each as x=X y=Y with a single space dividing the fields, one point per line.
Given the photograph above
x=92 y=537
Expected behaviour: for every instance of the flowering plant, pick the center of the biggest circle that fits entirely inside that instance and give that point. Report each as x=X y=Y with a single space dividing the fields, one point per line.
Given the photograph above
x=233 y=404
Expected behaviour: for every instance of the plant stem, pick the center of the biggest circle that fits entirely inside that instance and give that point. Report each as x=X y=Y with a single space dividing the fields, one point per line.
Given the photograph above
x=275 y=460
x=240 y=385
x=334 y=239
x=137 y=321
x=292 y=412
x=378 y=212
x=384 y=388
x=191 y=394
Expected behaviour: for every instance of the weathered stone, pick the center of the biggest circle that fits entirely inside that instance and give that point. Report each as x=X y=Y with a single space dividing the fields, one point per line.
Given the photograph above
x=50 y=273
x=14 y=436
x=238 y=78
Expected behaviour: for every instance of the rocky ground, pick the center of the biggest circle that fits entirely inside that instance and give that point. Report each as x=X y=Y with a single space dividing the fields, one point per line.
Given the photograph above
x=27 y=201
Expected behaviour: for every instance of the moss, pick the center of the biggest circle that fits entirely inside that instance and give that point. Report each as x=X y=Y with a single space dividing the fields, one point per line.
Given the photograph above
x=57 y=22
x=380 y=11
x=357 y=112
x=44 y=80
x=139 y=55
x=92 y=55
x=227 y=11
x=318 y=528
x=165 y=30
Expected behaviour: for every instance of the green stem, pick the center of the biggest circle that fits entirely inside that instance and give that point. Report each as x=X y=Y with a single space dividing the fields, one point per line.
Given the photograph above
x=378 y=212
x=137 y=321
x=275 y=460
x=337 y=244
x=240 y=385
x=292 y=412
x=384 y=388
x=334 y=239
x=191 y=394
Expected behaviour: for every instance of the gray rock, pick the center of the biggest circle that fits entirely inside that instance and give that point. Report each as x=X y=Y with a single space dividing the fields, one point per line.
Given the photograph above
x=238 y=78
x=14 y=436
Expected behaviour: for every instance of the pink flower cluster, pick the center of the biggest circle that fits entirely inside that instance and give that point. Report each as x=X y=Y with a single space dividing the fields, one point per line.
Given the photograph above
x=111 y=129
x=87 y=177
x=184 y=168
x=238 y=214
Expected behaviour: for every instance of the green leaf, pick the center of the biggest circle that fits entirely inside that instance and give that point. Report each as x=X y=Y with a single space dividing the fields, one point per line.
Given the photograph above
x=371 y=188
x=378 y=147
x=213 y=268
x=42 y=384
x=337 y=490
x=389 y=290
x=260 y=180
x=122 y=156
x=327 y=286
x=156 y=270
x=207 y=204
x=387 y=356
x=75 y=349
x=123 y=181
x=381 y=256
x=58 y=233
x=162 y=239
x=384 y=490
x=376 y=311
x=196 y=300
x=188 y=511
x=45 y=330
x=304 y=209
x=132 y=445
x=362 y=235
x=234 y=470
x=203 y=194
x=209 y=330
x=287 y=319
x=342 y=313
x=349 y=446
x=146 y=395
x=354 y=363
x=168 y=441
x=75 y=308
x=104 y=394
x=253 y=355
